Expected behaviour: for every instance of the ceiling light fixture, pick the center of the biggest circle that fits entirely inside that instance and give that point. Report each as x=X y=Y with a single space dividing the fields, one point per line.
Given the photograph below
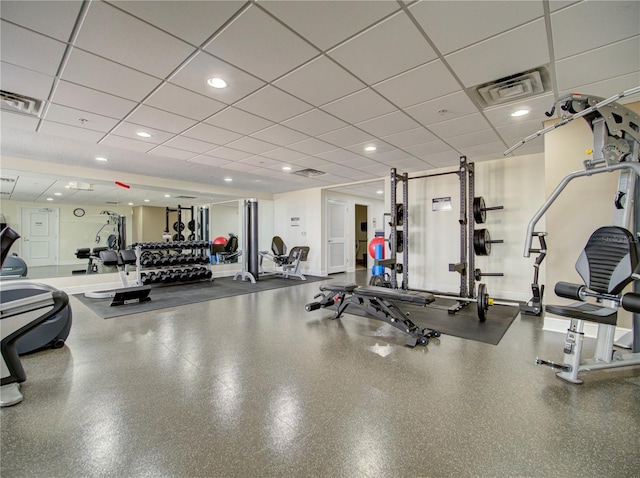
x=146 y=200
x=130 y=204
x=217 y=83
x=100 y=158
x=379 y=192
x=57 y=194
x=167 y=195
x=144 y=134
x=515 y=114
x=370 y=148
x=49 y=199
x=228 y=180
x=286 y=168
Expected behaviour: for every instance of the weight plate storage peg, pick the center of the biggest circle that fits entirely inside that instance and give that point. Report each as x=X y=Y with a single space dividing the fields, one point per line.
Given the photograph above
x=480 y=210
x=482 y=242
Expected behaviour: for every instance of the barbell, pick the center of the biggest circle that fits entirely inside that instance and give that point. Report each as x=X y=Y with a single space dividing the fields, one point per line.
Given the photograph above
x=480 y=210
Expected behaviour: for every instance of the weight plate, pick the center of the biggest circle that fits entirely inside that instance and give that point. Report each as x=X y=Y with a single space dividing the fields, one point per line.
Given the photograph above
x=377 y=280
x=178 y=237
x=400 y=214
x=481 y=242
x=479 y=210
x=399 y=241
x=483 y=302
x=178 y=226
x=191 y=225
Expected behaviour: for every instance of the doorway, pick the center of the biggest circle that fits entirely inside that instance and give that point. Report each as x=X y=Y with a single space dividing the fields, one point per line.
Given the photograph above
x=361 y=226
x=39 y=231
x=336 y=236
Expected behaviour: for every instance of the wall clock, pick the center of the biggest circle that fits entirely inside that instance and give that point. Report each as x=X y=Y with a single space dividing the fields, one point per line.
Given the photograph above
x=78 y=212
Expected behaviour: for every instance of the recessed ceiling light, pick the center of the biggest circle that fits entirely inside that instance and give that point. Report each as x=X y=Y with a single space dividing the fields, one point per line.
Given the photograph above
x=286 y=168
x=228 y=180
x=217 y=83
x=67 y=187
x=57 y=194
x=370 y=148
x=144 y=134
x=49 y=199
x=519 y=113
x=130 y=204
x=379 y=192
x=99 y=158
x=167 y=195
x=146 y=200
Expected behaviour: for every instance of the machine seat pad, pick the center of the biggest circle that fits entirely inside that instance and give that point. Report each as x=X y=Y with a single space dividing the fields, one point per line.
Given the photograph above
x=83 y=253
x=109 y=258
x=586 y=311
x=128 y=256
x=339 y=288
x=415 y=297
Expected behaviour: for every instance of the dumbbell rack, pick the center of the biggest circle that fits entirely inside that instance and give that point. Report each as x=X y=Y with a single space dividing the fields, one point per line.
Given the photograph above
x=170 y=264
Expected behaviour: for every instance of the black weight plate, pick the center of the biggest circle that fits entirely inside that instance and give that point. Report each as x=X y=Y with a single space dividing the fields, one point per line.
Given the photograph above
x=481 y=242
x=191 y=225
x=178 y=237
x=178 y=226
x=483 y=302
x=479 y=212
x=400 y=214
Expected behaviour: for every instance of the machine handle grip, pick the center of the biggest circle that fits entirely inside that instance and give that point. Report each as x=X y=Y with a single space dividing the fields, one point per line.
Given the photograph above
x=312 y=306
x=631 y=302
x=569 y=290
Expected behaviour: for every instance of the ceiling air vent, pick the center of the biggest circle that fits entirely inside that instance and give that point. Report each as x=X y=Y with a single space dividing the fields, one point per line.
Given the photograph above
x=20 y=103
x=309 y=173
x=7 y=180
x=513 y=88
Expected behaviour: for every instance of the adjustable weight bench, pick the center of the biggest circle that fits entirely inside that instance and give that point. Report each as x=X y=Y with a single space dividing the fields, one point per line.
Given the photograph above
x=378 y=303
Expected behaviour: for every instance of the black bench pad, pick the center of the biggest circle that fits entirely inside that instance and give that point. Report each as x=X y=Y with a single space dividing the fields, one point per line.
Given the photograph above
x=371 y=291
x=585 y=311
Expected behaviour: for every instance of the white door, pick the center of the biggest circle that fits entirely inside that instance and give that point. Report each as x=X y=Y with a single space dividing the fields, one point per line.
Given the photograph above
x=336 y=236
x=39 y=234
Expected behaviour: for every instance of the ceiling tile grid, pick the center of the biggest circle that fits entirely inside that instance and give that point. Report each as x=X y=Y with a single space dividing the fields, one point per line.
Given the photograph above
x=309 y=83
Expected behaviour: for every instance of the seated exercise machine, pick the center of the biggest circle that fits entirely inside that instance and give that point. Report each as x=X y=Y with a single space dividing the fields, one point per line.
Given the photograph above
x=92 y=256
x=290 y=263
x=607 y=265
x=14 y=267
x=230 y=252
x=22 y=314
x=129 y=293
x=379 y=304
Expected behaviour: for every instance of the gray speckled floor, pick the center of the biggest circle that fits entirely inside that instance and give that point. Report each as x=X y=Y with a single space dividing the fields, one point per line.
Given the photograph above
x=255 y=386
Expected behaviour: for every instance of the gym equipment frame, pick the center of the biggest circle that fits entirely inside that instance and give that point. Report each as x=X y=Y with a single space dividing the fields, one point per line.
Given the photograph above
x=616 y=139
x=378 y=303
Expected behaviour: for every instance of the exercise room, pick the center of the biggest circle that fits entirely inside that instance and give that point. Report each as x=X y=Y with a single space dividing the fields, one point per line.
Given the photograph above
x=320 y=238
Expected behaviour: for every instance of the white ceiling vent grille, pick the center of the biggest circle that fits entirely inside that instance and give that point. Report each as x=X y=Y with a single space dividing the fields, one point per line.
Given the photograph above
x=513 y=88
x=20 y=103
x=309 y=173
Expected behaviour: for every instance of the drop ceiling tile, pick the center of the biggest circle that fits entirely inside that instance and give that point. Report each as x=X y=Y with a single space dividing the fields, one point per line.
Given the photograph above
x=613 y=60
x=319 y=81
x=202 y=66
x=338 y=155
x=359 y=162
x=229 y=154
x=127 y=143
x=130 y=130
x=283 y=154
x=209 y=161
x=25 y=82
x=326 y=24
x=27 y=49
x=183 y=102
x=189 y=144
x=388 y=124
x=428 y=149
x=537 y=107
x=73 y=132
x=159 y=119
x=173 y=153
x=390 y=156
x=108 y=32
x=72 y=117
x=591 y=16
x=347 y=136
x=419 y=85
x=312 y=162
x=520 y=130
x=559 y=4
x=497 y=17
x=239 y=121
x=509 y=53
x=312 y=146
x=272 y=104
x=362 y=105
x=280 y=135
x=476 y=138
x=18 y=121
x=444 y=159
x=484 y=150
x=410 y=137
x=270 y=51
x=611 y=86
x=82 y=98
x=260 y=161
x=100 y=74
x=459 y=126
x=192 y=21
x=252 y=145
x=243 y=168
x=385 y=50
x=315 y=123
x=55 y=19
x=211 y=134
x=380 y=146
x=442 y=109
x=411 y=165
